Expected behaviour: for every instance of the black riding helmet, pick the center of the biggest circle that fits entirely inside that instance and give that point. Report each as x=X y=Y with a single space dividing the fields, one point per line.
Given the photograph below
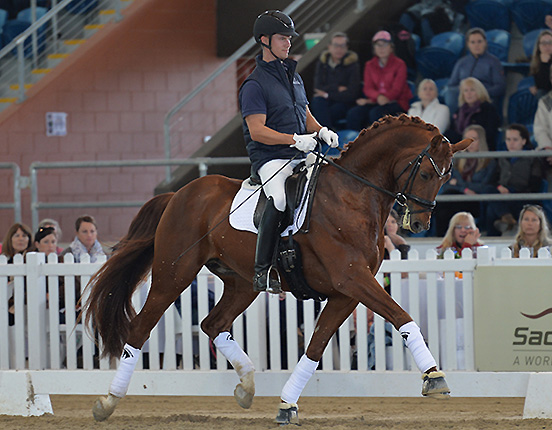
x=273 y=22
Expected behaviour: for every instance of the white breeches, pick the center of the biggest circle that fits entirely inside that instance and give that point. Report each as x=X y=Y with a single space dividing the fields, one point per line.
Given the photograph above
x=275 y=187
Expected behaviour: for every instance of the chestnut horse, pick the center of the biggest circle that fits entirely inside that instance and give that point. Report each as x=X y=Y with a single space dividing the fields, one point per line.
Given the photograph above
x=397 y=159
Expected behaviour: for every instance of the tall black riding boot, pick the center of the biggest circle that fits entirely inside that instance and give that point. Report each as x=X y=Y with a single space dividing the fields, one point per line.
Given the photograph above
x=267 y=239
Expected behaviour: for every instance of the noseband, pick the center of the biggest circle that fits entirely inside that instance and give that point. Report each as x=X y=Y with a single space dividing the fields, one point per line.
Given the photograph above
x=402 y=197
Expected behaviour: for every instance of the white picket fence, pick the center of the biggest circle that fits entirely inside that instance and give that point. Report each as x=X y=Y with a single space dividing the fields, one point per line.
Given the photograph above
x=437 y=293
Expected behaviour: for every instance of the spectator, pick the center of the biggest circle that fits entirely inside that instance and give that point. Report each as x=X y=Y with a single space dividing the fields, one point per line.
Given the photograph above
x=475 y=108
x=49 y=222
x=540 y=64
x=392 y=238
x=542 y=128
x=385 y=89
x=516 y=175
x=462 y=233
x=18 y=240
x=470 y=176
x=86 y=240
x=336 y=82
x=429 y=108
x=533 y=231
x=480 y=64
x=45 y=240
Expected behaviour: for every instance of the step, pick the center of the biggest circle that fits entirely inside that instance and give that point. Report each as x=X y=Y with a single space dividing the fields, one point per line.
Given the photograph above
x=72 y=44
x=38 y=74
x=106 y=15
x=90 y=29
x=54 y=59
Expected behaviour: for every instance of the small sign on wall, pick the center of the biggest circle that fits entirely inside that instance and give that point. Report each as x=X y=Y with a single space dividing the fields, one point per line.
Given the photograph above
x=56 y=124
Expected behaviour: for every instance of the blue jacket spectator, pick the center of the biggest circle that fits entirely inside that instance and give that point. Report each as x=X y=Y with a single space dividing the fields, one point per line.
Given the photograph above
x=477 y=63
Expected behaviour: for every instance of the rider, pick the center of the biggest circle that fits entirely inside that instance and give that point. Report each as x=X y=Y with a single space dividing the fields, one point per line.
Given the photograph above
x=278 y=129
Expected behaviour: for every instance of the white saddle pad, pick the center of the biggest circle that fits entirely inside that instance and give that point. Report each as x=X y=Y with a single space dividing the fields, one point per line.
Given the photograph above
x=241 y=215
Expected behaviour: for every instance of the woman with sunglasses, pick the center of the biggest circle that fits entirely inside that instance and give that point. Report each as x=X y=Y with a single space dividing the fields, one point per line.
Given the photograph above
x=462 y=233
x=533 y=231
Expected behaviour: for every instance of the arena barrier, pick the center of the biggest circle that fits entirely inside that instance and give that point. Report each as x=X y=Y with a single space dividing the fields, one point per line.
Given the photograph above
x=58 y=357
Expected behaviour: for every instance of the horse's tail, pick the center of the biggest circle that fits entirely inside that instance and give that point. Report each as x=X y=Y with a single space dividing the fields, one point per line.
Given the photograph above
x=109 y=308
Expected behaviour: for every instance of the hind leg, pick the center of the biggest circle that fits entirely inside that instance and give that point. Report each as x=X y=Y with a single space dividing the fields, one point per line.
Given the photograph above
x=236 y=298
x=159 y=299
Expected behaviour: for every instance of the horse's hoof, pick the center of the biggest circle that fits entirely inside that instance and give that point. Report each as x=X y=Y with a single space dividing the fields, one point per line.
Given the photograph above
x=104 y=407
x=435 y=386
x=245 y=391
x=287 y=414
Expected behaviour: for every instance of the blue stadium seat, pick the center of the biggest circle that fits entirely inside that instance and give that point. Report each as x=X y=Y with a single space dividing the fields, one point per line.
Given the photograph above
x=25 y=14
x=435 y=63
x=498 y=42
x=488 y=14
x=522 y=106
x=81 y=6
x=525 y=83
x=3 y=19
x=346 y=136
x=529 y=14
x=450 y=40
x=529 y=40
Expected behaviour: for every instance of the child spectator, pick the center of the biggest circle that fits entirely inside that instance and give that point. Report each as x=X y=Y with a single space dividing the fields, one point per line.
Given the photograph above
x=336 y=82
x=386 y=91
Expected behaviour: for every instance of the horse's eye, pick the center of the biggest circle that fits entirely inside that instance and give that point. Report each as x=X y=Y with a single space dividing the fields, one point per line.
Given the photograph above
x=424 y=175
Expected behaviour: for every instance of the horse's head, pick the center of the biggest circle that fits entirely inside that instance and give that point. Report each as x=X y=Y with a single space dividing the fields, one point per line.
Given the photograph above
x=419 y=179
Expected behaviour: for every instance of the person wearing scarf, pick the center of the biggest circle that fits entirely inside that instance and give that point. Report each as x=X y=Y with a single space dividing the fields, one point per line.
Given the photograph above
x=86 y=240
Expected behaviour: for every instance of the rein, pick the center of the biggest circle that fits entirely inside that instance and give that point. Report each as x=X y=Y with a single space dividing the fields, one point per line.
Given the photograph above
x=402 y=197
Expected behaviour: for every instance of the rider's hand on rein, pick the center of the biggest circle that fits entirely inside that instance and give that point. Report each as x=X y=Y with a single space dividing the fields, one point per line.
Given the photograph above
x=304 y=142
x=329 y=136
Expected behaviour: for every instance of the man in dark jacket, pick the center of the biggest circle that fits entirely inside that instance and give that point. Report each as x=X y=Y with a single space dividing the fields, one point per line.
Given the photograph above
x=279 y=130
x=336 y=82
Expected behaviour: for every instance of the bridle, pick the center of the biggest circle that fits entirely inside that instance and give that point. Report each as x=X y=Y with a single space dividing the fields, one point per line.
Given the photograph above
x=405 y=195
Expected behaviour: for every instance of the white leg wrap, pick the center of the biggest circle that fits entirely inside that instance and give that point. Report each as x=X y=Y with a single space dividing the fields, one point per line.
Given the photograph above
x=298 y=379
x=129 y=357
x=226 y=344
x=415 y=342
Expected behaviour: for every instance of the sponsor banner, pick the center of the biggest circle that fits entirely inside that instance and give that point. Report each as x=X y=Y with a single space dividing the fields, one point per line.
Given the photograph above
x=513 y=318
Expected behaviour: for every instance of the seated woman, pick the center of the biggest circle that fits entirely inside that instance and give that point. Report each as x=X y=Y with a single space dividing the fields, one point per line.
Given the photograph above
x=533 y=232
x=540 y=64
x=46 y=240
x=470 y=176
x=480 y=64
x=86 y=240
x=386 y=91
x=462 y=233
x=392 y=238
x=515 y=175
x=18 y=240
x=475 y=108
x=429 y=108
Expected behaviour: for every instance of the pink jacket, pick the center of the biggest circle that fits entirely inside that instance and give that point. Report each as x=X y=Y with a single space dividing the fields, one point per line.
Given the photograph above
x=389 y=81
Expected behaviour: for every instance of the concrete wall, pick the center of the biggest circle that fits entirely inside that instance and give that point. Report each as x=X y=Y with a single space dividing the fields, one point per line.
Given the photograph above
x=116 y=90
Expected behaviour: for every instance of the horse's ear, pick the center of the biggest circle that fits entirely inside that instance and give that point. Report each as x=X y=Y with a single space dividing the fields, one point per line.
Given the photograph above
x=460 y=146
x=436 y=140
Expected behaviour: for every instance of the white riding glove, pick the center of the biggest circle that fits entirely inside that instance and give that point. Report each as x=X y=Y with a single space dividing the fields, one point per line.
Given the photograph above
x=304 y=142
x=329 y=136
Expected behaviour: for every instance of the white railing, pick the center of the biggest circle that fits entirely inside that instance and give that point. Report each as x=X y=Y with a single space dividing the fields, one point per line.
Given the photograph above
x=437 y=293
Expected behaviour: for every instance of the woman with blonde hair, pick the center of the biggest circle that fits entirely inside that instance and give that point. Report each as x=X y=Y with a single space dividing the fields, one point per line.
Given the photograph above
x=475 y=107
x=533 y=232
x=429 y=108
x=540 y=64
x=462 y=233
